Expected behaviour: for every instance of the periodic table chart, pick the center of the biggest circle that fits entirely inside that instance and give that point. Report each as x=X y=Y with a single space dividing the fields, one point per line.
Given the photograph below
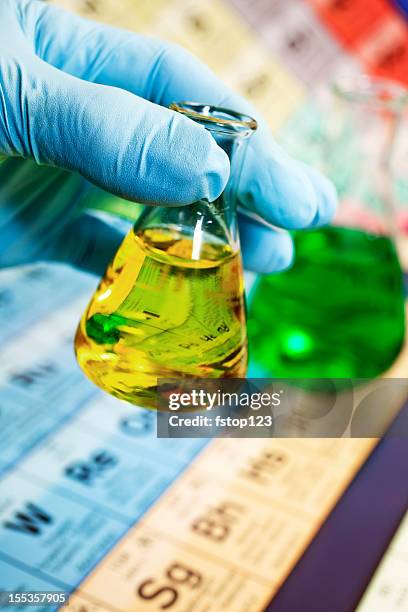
x=91 y=502
x=388 y=589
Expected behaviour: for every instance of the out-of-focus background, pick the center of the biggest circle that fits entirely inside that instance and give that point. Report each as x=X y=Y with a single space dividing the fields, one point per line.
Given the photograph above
x=90 y=501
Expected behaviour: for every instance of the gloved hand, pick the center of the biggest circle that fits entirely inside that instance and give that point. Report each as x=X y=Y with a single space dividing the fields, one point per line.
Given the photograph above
x=91 y=101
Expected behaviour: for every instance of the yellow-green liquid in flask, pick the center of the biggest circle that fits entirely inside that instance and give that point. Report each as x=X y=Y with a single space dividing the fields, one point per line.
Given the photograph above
x=159 y=312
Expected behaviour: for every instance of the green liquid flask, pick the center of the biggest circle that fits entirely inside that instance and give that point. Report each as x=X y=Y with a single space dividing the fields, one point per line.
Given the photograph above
x=171 y=303
x=339 y=311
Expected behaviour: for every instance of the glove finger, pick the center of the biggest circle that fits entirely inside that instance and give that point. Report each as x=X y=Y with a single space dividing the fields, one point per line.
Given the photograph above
x=264 y=249
x=123 y=143
x=283 y=191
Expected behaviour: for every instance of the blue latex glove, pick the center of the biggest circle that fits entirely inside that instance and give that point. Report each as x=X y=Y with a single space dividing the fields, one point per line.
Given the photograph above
x=90 y=100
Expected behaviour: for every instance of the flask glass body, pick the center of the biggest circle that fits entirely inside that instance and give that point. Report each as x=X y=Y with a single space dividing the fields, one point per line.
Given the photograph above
x=171 y=303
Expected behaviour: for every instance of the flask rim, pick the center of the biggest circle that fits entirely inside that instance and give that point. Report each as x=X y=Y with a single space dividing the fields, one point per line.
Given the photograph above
x=375 y=92
x=217 y=118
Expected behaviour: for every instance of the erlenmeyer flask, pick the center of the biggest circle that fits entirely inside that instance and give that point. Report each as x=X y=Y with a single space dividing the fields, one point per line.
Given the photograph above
x=339 y=311
x=171 y=303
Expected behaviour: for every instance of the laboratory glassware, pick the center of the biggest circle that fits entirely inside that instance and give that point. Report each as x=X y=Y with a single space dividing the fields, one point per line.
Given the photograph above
x=338 y=312
x=171 y=303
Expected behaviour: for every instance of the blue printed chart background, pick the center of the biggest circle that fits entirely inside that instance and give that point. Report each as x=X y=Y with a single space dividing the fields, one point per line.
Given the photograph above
x=79 y=468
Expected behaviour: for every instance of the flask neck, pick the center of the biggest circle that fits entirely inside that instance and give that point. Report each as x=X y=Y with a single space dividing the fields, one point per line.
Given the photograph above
x=204 y=227
x=224 y=208
x=362 y=140
x=231 y=130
